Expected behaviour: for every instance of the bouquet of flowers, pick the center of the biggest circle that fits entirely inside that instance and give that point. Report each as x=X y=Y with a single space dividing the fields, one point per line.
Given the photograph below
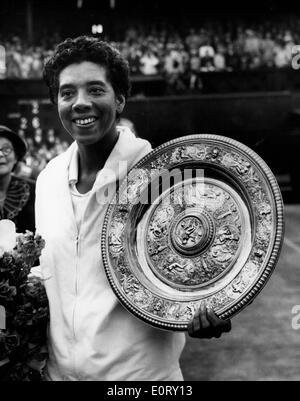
x=24 y=310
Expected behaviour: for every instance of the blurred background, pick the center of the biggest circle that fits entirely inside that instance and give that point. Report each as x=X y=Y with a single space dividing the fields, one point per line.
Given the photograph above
x=197 y=67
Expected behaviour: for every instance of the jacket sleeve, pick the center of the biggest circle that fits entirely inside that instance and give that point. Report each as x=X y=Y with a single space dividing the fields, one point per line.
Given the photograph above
x=36 y=271
x=39 y=203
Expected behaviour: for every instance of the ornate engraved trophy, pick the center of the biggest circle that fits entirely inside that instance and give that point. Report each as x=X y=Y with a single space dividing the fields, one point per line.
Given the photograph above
x=198 y=218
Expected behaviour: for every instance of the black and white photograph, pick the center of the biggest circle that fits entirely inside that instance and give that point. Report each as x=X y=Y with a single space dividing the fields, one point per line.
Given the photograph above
x=149 y=194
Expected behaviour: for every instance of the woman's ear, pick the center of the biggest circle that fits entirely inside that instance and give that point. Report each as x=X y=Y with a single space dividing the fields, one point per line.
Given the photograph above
x=120 y=100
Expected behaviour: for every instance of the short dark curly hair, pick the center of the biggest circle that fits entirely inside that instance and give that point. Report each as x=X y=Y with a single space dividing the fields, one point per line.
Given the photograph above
x=86 y=48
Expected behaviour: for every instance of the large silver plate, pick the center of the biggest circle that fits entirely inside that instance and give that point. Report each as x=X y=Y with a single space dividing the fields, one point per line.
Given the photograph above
x=211 y=233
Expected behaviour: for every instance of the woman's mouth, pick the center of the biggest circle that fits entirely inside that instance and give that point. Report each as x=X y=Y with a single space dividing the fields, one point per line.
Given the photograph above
x=84 y=122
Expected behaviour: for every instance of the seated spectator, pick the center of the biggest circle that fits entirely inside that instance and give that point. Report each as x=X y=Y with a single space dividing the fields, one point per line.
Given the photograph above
x=194 y=70
x=281 y=58
x=267 y=49
x=13 y=63
x=36 y=66
x=232 y=59
x=252 y=43
x=26 y=63
x=288 y=46
x=219 y=59
x=206 y=54
x=149 y=63
x=134 y=59
x=174 y=70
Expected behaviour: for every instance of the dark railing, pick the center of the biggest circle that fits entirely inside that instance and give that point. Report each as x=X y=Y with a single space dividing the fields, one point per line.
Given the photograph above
x=156 y=85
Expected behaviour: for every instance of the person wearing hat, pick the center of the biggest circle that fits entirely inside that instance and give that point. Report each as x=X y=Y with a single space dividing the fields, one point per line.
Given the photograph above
x=17 y=195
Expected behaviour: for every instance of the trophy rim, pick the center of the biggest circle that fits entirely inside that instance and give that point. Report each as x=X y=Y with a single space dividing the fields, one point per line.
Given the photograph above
x=269 y=267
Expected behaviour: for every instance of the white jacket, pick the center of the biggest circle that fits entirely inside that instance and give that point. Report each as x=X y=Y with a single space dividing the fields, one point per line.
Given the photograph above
x=91 y=335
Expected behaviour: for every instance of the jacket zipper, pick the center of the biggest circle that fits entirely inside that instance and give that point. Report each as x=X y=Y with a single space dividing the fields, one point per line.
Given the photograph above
x=75 y=302
x=76 y=283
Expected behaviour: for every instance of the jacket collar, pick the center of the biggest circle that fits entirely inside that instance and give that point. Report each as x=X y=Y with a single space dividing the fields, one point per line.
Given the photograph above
x=127 y=150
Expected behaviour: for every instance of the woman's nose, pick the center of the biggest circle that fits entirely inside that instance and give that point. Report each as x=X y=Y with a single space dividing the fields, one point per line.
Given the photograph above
x=82 y=101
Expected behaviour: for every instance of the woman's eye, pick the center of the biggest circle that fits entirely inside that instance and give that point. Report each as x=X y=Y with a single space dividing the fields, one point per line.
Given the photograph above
x=66 y=93
x=97 y=91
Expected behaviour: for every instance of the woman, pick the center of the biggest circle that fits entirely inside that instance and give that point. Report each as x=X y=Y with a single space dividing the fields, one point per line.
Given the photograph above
x=91 y=336
x=16 y=194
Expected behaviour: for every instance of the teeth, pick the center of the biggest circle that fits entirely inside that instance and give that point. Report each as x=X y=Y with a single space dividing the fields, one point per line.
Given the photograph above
x=85 y=121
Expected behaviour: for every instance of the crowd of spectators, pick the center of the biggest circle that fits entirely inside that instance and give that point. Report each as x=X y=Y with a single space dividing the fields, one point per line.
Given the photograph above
x=178 y=55
x=24 y=60
x=42 y=147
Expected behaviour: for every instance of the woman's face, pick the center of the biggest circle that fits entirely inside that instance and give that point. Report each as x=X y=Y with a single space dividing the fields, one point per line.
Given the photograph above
x=87 y=103
x=8 y=157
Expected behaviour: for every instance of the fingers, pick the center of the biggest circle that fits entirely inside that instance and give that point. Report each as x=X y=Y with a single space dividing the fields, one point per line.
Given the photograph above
x=206 y=324
x=223 y=325
x=194 y=325
x=197 y=321
x=200 y=326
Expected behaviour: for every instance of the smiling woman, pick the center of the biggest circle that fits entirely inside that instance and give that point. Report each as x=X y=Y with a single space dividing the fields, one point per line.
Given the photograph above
x=88 y=104
x=89 y=81
x=91 y=336
x=16 y=194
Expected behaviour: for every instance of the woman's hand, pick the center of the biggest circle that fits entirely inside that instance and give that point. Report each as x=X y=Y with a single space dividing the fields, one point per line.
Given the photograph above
x=206 y=324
